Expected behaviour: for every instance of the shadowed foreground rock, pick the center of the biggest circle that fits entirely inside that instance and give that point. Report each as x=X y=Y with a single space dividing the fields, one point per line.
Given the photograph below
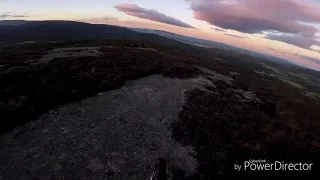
x=226 y=129
x=119 y=132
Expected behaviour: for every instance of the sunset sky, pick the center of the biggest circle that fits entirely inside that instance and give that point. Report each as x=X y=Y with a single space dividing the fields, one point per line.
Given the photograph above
x=285 y=28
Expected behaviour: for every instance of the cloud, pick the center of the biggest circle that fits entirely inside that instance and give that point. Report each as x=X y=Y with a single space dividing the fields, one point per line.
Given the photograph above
x=315 y=48
x=296 y=40
x=218 y=29
x=271 y=49
x=288 y=18
x=256 y=16
x=313 y=60
x=101 y=20
x=10 y=15
x=153 y=15
x=236 y=36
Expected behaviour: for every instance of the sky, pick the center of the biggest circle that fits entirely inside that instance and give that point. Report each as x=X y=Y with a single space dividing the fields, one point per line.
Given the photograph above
x=287 y=29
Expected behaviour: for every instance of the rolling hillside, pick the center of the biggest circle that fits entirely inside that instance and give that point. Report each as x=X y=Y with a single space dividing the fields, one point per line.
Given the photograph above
x=61 y=30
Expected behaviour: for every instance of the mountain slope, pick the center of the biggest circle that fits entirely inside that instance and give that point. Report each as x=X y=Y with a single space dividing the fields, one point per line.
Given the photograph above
x=61 y=30
x=12 y=22
x=212 y=44
x=185 y=39
x=70 y=30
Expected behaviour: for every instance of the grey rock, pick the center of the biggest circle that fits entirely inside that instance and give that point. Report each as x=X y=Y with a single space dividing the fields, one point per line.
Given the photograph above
x=111 y=133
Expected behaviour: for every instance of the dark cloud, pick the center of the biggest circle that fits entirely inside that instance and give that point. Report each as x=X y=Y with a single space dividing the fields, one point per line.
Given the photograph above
x=271 y=49
x=218 y=29
x=296 y=40
x=10 y=15
x=241 y=37
x=153 y=15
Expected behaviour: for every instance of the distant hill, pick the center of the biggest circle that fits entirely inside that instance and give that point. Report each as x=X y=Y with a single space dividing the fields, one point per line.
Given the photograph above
x=13 y=31
x=185 y=39
x=12 y=22
x=21 y=31
x=60 y=30
x=212 y=44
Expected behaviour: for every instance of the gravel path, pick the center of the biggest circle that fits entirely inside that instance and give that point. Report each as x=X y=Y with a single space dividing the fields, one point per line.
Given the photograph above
x=120 y=131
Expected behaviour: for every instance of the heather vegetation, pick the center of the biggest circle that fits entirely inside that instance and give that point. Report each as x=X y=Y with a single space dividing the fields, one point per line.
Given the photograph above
x=254 y=117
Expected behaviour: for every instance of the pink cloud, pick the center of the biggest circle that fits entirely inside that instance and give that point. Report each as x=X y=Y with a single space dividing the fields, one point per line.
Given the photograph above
x=310 y=59
x=258 y=16
x=153 y=15
x=297 y=40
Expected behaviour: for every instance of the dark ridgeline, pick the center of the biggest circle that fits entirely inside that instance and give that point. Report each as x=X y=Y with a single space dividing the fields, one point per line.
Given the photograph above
x=60 y=30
